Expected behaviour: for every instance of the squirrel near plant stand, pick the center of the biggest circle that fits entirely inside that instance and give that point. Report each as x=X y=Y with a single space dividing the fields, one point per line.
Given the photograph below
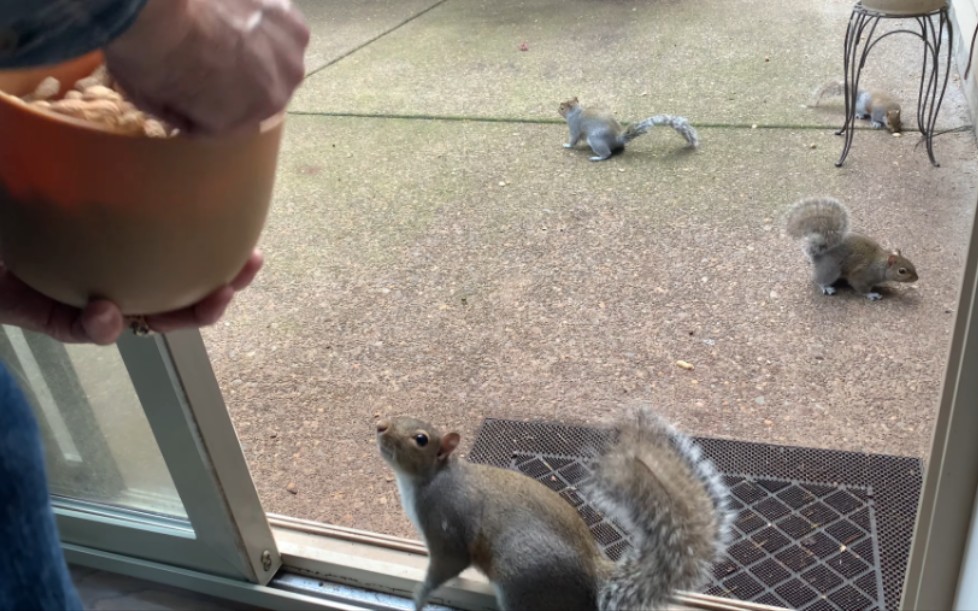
x=877 y=106
x=535 y=548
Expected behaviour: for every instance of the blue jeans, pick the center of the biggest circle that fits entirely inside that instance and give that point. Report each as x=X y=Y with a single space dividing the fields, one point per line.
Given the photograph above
x=33 y=572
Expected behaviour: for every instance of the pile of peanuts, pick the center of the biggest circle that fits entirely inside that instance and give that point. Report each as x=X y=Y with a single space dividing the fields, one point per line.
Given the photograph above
x=95 y=99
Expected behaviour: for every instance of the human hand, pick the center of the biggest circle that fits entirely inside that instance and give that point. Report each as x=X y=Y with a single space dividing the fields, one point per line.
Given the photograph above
x=211 y=66
x=101 y=322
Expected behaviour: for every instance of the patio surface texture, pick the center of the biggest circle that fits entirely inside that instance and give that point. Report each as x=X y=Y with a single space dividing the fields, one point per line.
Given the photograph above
x=433 y=250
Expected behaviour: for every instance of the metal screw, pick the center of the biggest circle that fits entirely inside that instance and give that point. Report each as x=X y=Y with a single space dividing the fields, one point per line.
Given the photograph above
x=266 y=560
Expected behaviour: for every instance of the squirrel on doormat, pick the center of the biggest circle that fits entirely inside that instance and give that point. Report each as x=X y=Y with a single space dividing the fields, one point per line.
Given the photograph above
x=533 y=545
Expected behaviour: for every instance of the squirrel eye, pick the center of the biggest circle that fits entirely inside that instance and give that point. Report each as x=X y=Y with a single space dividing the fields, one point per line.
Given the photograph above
x=421 y=439
x=902 y=270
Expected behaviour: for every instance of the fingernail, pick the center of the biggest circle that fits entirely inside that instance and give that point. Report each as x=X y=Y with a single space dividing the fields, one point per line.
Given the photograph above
x=102 y=327
x=104 y=318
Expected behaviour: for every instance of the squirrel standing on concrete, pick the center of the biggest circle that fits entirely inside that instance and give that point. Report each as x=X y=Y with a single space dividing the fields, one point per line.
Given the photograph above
x=606 y=136
x=881 y=109
x=532 y=544
x=838 y=254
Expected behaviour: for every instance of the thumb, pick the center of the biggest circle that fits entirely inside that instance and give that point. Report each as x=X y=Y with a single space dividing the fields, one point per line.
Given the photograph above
x=102 y=322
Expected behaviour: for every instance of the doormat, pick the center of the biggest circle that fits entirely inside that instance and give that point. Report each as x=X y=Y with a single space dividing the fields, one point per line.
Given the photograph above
x=816 y=529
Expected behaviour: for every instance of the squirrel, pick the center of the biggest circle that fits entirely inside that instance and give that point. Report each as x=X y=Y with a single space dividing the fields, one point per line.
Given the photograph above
x=837 y=253
x=532 y=544
x=879 y=107
x=606 y=136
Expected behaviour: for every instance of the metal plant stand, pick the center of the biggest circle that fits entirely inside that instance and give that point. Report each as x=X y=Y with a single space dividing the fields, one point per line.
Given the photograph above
x=860 y=40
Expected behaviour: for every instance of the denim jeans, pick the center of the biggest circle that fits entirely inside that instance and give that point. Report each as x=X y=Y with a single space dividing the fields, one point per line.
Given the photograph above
x=33 y=572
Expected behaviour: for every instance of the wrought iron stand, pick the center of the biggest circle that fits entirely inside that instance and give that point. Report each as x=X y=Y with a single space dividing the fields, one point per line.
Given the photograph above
x=861 y=31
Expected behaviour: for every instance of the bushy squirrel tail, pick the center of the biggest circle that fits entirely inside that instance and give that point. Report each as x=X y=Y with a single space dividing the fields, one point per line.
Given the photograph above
x=655 y=482
x=680 y=124
x=822 y=221
x=831 y=88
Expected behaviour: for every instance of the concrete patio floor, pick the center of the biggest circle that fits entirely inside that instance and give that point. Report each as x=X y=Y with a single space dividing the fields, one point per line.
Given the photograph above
x=433 y=250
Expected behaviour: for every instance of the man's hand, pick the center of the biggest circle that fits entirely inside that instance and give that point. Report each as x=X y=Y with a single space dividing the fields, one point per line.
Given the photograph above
x=211 y=66
x=101 y=322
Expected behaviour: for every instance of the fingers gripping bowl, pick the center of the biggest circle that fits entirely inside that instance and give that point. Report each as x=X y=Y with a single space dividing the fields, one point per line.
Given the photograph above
x=153 y=224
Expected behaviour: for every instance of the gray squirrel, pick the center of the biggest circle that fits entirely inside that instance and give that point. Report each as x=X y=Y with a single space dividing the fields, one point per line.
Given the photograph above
x=532 y=544
x=836 y=253
x=606 y=136
x=879 y=107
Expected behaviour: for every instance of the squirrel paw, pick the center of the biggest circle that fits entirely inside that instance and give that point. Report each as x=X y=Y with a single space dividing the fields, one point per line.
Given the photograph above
x=567 y=145
x=873 y=296
x=597 y=158
x=828 y=289
x=877 y=125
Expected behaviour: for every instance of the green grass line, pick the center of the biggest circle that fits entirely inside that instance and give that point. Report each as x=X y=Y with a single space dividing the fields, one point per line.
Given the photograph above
x=412 y=117
x=557 y=121
x=374 y=39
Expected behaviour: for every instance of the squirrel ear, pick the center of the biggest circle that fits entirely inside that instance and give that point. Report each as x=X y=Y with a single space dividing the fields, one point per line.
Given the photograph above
x=890 y=260
x=448 y=444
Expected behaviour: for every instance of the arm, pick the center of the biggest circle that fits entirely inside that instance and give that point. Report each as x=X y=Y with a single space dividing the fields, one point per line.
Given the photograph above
x=37 y=32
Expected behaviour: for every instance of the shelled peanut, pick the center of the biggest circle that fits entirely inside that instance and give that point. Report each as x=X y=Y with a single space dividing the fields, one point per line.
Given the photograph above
x=95 y=99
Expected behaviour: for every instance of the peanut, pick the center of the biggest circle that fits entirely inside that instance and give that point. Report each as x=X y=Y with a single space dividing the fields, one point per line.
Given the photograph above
x=100 y=92
x=97 y=111
x=154 y=129
x=97 y=99
x=46 y=89
x=100 y=76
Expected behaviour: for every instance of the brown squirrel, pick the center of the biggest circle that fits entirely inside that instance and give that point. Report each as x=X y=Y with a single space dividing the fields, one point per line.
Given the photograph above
x=606 y=136
x=836 y=253
x=879 y=107
x=535 y=548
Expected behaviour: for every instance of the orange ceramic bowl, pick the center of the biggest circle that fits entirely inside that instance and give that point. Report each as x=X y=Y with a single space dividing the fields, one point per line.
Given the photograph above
x=153 y=224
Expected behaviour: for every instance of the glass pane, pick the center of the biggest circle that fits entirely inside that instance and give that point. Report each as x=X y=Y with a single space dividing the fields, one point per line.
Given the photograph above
x=432 y=254
x=98 y=444
x=464 y=269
